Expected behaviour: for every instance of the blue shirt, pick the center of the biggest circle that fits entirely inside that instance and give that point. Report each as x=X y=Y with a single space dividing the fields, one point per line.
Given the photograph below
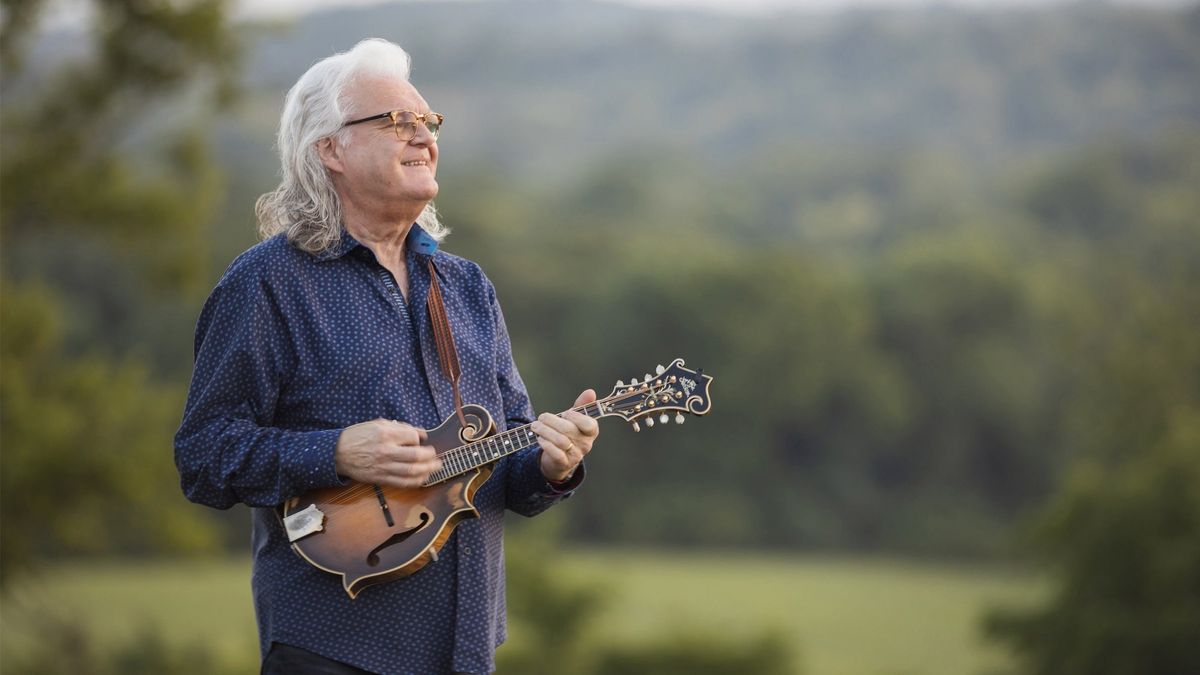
x=291 y=348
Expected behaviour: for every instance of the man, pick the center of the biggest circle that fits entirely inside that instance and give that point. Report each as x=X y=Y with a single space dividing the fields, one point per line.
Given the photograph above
x=316 y=364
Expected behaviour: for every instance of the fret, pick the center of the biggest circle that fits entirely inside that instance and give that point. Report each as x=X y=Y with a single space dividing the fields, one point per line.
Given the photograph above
x=465 y=458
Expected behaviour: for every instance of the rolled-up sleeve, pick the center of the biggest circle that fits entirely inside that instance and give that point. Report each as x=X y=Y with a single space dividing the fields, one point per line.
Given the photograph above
x=226 y=449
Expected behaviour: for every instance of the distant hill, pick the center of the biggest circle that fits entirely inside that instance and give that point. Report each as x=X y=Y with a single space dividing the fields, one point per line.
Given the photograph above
x=542 y=88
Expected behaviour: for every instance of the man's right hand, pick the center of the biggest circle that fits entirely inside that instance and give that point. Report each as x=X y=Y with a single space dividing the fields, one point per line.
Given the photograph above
x=385 y=452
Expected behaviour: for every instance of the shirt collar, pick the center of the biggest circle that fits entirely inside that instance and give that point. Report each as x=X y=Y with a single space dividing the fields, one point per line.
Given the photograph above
x=347 y=243
x=344 y=245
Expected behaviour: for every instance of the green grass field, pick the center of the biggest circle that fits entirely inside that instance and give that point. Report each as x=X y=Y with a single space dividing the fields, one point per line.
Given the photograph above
x=845 y=615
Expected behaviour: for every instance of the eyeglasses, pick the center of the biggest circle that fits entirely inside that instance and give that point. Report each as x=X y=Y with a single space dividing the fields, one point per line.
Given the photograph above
x=405 y=122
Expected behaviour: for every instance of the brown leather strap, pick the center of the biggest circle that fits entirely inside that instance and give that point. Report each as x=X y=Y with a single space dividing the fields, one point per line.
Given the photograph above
x=443 y=337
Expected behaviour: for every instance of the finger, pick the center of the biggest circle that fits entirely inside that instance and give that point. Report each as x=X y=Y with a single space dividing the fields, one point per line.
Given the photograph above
x=588 y=396
x=419 y=470
x=585 y=425
x=558 y=460
x=577 y=431
x=402 y=433
x=410 y=454
x=552 y=436
x=558 y=423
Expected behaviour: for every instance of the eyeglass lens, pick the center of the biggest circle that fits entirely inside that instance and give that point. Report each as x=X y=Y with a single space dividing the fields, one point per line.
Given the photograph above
x=406 y=125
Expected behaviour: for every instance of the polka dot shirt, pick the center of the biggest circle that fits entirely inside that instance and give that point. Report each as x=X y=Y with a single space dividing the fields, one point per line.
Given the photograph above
x=291 y=348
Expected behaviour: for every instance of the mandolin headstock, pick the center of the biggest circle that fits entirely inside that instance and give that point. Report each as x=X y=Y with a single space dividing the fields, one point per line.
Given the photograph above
x=671 y=389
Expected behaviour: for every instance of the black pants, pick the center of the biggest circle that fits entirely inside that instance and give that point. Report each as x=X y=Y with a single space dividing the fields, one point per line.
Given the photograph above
x=288 y=660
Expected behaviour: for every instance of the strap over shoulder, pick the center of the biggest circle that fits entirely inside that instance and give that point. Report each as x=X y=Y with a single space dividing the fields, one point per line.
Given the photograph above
x=444 y=338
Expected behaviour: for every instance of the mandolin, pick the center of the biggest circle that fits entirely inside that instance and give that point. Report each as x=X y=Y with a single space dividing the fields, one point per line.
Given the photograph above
x=370 y=534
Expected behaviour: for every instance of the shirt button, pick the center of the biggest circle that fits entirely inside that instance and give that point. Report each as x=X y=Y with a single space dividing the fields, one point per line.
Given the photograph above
x=466 y=550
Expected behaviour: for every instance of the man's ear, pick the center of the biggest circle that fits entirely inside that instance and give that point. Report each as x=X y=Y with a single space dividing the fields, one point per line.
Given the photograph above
x=331 y=154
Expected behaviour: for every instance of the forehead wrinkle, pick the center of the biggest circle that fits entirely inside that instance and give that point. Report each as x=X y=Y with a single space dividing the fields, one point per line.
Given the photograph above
x=364 y=97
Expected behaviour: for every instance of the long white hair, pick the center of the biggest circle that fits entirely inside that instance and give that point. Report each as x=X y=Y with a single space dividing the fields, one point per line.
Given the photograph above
x=305 y=205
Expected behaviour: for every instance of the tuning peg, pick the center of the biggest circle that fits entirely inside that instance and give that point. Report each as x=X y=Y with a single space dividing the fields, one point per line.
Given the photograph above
x=660 y=369
x=649 y=421
x=633 y=381
x=620 y=383
x=664 y=419
x=647 y=377
x=637 y=427
x=678 y=418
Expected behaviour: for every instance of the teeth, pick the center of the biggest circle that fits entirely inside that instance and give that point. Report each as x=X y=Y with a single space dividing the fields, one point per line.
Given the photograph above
x=418 y=163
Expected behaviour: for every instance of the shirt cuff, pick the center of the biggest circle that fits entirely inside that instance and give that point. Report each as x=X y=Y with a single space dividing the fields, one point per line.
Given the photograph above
x=310 y=464
x=573 y=481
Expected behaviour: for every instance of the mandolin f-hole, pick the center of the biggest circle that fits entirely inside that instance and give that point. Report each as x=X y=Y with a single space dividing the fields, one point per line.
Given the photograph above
x=399 y=537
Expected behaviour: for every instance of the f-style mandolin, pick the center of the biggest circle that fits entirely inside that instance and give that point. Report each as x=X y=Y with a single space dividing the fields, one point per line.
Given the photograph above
x=370 y=534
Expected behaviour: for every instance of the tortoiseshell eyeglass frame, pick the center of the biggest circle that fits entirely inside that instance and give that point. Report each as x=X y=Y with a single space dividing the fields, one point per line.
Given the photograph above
x=431 y=120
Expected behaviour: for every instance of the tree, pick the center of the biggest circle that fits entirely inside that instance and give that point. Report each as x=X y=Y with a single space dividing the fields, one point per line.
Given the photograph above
x=85 y=422
x=1126 y=543
x=1123 y=536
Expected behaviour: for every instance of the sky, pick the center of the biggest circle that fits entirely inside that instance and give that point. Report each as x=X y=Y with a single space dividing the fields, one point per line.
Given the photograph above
x=72 y=13
x=282 y=8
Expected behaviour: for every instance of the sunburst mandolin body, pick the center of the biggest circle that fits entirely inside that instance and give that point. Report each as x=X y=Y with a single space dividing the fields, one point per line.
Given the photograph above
x=370 y=534
x=361 y=543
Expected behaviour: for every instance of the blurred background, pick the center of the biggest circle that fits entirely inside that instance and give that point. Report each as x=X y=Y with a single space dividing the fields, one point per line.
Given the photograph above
x=943 y=260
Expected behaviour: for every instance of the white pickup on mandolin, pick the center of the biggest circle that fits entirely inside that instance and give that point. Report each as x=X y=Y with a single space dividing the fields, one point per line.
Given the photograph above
x=303 y=523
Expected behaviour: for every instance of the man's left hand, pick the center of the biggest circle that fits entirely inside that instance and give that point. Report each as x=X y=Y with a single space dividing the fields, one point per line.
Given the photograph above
x=566 y=439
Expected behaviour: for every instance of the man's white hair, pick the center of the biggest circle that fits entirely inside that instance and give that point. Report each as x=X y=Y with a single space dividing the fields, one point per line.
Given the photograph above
x=305 y=205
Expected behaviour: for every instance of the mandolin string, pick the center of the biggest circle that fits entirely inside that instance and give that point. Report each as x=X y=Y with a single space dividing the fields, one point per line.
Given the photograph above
x=350 y=498
x=352 y=494
x=462 y=453
x=467 y=455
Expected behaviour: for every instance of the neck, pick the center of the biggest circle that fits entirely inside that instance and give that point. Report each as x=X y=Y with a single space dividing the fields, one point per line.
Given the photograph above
x=464 y=458
x=386 y=242
x=384 y=234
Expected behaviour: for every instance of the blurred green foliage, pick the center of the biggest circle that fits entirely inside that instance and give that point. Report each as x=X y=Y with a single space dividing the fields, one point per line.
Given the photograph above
x=937 y=261
x=83 y=422
x=1125 y=544
x=67 y=648
x=920 y=387
x=910 y=348
x=83 y=446
x=1122 y=537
